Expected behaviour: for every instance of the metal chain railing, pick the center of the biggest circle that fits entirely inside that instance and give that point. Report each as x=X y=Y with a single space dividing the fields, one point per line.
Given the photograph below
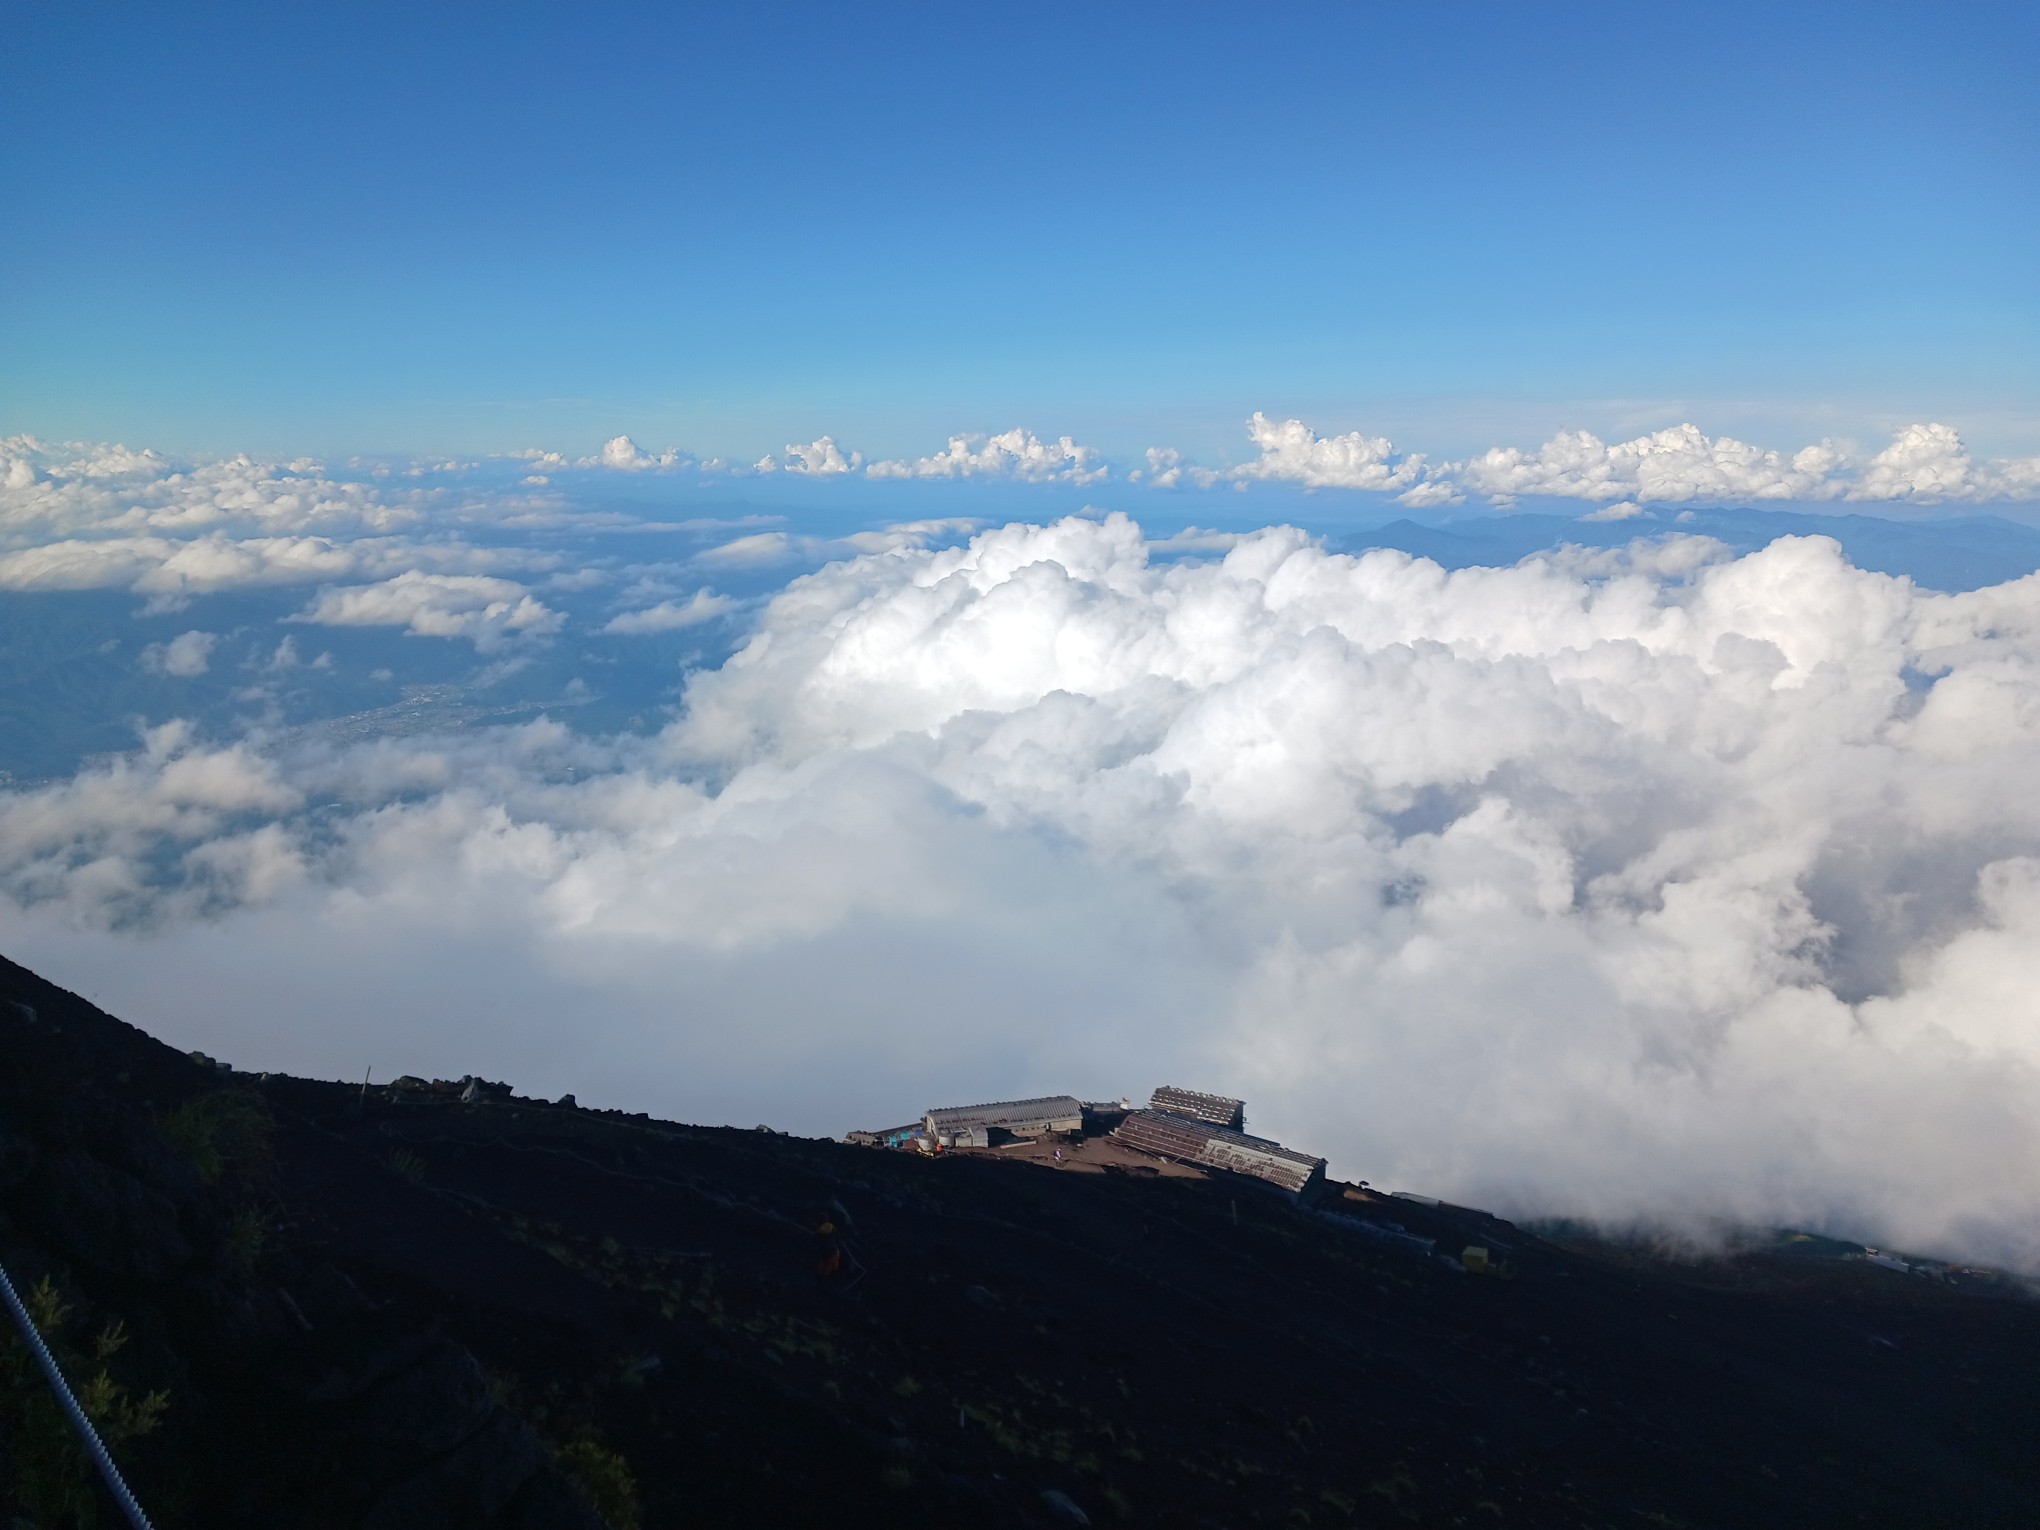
x=87 y=1435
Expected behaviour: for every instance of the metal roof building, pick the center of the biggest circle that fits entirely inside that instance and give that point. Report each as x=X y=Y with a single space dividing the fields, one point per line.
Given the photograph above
x=1215 y=1109
x=1023 y=1118
x=1216 y=1147
x=892 y=1136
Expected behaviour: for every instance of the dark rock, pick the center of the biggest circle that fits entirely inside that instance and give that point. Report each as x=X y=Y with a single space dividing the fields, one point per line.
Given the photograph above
x=548 y=1501
x=244 y=1318
x=326 y=1296
x=103 y=1218
x=142 y=1148
x=426 y=1408
x=469 y=1485
x=352 y=1366
x=17 y=1157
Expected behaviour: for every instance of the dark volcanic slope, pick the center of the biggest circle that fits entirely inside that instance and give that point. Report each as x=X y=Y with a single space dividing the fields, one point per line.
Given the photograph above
x=404 y=1313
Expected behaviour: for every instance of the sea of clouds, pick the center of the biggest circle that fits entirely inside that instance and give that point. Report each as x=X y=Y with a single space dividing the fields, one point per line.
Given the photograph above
x=1657 y=883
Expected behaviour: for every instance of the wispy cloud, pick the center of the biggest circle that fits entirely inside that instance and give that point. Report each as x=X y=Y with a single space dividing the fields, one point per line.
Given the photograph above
x=703 y=605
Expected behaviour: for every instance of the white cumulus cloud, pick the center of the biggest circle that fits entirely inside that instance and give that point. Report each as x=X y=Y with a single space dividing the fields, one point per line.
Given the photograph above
x=625 y=455
x=1651 y=883
x=84 y=841
x=1626 y=883
x=1924 y=463
x=1014 y=454
x=80 y=517
x=187 y=654
x=1165 y=468
x=1927 y=464
x=49 y=492
x=1677 y=464
x=819 y=458
x=484 y=610
x=1293 y=452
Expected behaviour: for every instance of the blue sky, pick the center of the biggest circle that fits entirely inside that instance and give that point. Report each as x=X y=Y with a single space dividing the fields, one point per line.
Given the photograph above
x=403 y=229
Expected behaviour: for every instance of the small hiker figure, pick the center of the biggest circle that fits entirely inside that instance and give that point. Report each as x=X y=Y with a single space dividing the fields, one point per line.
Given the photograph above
x=835 y=1251
x=828 y=1250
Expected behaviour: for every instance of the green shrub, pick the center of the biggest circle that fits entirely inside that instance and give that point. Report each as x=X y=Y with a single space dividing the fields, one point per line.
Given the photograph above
x=225 y=1136
x=51 y=1479
x=248 y=1236
x=604 y=1478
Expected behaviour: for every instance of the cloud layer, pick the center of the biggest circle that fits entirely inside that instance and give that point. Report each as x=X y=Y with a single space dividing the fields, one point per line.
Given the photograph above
x=1654 y=883
x=84 y=516
x=1922 y=463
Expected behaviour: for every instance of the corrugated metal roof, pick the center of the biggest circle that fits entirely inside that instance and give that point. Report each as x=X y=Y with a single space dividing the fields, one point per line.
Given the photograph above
x=1155 y=1131
x=1010 y=1115
x=1218 y=1109
x=1216 y=1147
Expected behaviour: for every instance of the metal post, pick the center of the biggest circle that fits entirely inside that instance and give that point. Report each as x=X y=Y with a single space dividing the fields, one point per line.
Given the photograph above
x=87 y=1435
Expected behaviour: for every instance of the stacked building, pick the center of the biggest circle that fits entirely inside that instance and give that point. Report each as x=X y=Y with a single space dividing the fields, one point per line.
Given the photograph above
x=1204 y=1130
